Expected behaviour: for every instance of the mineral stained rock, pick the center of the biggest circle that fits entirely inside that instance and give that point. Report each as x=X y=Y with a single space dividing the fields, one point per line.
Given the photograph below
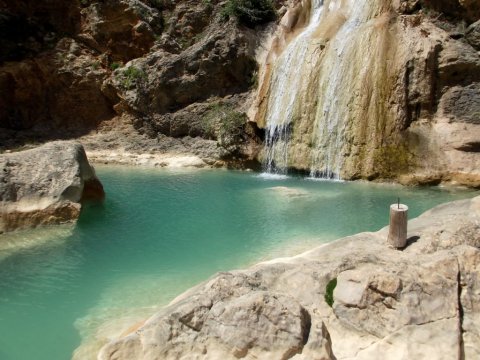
x=45 y=185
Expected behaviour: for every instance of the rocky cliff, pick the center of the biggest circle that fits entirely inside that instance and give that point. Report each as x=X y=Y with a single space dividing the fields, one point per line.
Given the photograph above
x=421 y=302
x=150 y=76
x=45 y=185
x=383 y=89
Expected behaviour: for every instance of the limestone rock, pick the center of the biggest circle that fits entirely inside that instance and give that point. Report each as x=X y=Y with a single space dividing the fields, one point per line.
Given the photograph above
x=45 y=185
x=458 y=62
x=421 y=302
x=158 y=65
x=254 y=325
x=125 y=29
x=473 y=35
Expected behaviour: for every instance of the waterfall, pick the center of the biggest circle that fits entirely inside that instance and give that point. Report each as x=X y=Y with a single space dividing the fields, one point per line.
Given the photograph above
x=327 y=88
x=331 y=113
x=286 y=84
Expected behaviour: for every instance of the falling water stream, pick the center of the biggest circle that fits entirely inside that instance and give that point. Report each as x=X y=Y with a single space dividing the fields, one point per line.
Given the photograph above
x=286 y=84
x=326 y=91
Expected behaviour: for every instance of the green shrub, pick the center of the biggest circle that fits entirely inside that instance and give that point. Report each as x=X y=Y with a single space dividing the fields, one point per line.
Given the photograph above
x=95 y=65
x=329 y=291
x=131 y=76
x=224 y=122
x=115 y=65
x=249 y=12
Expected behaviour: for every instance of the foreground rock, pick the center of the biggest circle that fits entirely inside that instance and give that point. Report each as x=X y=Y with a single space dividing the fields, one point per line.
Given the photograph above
x=45 y=185
x=419 y=303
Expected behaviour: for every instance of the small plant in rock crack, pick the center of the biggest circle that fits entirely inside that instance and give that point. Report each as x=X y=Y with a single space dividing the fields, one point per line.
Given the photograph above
x=329 y=291
x=249 y=12
x=115 y=65
x=131 y=76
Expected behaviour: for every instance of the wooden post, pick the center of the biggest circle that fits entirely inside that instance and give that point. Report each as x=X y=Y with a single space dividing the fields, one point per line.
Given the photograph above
x=397 y=233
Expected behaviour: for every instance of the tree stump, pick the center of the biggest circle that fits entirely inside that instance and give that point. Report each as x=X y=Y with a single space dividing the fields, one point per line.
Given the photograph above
x=397 y=233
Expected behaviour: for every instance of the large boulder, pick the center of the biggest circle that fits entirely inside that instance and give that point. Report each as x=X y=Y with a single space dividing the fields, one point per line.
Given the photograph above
x=45 y=185
x=417 y=303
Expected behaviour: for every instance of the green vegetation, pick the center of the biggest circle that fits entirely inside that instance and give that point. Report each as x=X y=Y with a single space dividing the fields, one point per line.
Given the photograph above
x=254 y=80
x=207 y=3
x=224 y=122
x=329 y=291
x=249 y=12
x=132 y=76
x=115 y=65
x=95 y=65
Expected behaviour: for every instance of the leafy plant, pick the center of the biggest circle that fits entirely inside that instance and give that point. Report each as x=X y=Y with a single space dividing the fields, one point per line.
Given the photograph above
x=224 y=122
x=131 y=76
x=207 y=3
x=115 y=65
x=254 y=80
x=329 y=291
x=249 y=12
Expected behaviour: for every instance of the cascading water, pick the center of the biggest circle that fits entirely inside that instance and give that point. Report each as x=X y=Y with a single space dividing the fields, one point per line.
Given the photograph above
x=336 y=72
x=328 y=134
x=327 y=91
x=286 y=84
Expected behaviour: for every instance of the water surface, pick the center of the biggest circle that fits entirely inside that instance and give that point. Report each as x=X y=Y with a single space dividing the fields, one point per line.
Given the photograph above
x=159 y=233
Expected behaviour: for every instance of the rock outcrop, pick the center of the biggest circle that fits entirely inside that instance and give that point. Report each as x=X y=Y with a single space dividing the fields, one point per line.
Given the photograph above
x=420 y=302
x=45 y=185
x=157 y=67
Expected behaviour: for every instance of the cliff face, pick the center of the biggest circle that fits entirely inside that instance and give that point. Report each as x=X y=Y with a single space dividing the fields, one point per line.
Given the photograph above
x=175 y=69
x=351 y=89
x=385 y=89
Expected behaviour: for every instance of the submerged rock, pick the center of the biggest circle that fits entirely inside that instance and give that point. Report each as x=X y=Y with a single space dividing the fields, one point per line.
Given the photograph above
x=45 y=185
x=388 y=304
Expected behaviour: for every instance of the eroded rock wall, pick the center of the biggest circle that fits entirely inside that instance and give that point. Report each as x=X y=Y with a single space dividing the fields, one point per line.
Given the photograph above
x=76 y=66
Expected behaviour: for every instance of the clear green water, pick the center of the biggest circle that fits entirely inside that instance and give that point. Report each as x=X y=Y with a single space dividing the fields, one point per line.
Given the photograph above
x=157 y=234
